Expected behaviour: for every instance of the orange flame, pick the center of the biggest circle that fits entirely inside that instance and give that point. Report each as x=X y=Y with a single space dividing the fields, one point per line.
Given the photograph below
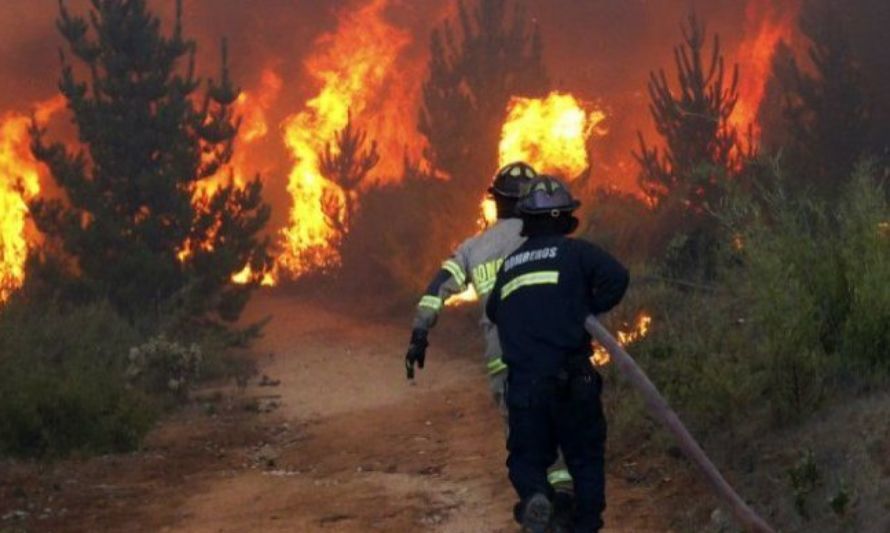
x=549 y=133
x=361 y=77
x=766 y=23
x=639 y=330
x=488 y=213
x=19 y=183
x=251 y=107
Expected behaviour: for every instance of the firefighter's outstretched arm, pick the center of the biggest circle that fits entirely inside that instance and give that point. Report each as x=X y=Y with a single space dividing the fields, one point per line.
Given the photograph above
x=451 y=279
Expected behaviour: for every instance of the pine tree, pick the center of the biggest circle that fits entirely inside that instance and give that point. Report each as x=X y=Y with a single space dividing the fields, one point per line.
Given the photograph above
x=700 y=145
x=346 y=163
x=827 y=113
x=685 y=180
x=133 y=217
x=473 y=71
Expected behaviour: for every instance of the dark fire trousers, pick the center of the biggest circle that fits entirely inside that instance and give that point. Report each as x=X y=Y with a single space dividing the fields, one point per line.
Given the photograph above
x=565 y=414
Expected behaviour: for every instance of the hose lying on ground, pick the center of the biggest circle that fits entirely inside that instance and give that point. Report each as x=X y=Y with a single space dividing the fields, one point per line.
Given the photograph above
x=661 y=411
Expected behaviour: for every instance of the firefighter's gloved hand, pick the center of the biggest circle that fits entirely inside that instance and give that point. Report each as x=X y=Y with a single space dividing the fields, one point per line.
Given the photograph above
x=416 y=351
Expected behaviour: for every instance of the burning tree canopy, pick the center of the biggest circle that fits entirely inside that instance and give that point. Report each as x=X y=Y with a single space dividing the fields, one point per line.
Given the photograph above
x=767 y=24
x=356 y=69
x=367 y=73
x=474 y=71
x=347 y=164
x=551 y=133
x=131 y=202
x=700 y=142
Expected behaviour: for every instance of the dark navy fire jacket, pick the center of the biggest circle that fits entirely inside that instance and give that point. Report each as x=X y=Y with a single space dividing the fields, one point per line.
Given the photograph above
x=543 y=293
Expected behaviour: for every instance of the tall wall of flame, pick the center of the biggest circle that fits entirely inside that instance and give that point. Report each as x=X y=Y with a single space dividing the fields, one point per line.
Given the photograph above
x=19 y=183
x=356 y=67
x=766 y=24
x=368 y=58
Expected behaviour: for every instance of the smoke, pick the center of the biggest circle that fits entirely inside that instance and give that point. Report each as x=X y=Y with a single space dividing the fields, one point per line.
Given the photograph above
x=601 y=51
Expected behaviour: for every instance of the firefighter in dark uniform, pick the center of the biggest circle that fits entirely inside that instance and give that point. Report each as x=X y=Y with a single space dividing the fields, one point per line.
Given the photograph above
x=543 y=293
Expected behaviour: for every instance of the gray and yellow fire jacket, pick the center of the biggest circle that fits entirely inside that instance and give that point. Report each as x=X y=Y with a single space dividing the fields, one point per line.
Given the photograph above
x=475 y=261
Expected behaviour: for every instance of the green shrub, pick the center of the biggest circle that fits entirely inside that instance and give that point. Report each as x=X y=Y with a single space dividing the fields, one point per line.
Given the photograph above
x=162 y=366
x=800 y=307
x=61 y=382
x=864 y=248
x=814 y=277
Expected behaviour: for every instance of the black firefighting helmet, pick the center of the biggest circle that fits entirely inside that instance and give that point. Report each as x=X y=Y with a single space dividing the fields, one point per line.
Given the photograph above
x=546 y=194
x=510 y=178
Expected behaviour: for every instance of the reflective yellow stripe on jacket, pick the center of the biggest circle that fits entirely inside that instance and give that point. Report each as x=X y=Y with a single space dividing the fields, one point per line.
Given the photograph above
x=431 y=302
x=455 y=270
x=496 y=366
x=543 y=277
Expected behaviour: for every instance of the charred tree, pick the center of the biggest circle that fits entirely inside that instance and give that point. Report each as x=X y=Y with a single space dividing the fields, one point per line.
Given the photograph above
x=700 y=145
x=346 y=163
x=132 y=218
x=827 y=115
x=490 y=53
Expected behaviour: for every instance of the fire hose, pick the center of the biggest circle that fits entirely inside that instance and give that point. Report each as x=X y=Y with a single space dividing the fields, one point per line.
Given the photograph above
x=661 y=411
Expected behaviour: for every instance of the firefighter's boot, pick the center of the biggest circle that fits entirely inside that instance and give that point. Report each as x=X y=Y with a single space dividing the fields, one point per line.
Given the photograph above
x=563 y=512
x=536 y=514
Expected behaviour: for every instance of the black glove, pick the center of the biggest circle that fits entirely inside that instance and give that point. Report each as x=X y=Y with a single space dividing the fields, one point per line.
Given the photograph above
x=416 y=351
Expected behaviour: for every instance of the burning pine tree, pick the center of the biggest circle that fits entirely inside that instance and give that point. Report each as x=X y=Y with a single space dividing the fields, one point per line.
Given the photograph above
x=700 y=142
x=473 y=73
x=701 y=149
x=134 y=219
x=347 y=164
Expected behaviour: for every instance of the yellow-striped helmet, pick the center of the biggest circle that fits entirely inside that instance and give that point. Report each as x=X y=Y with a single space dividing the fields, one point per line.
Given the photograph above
x=546 y=194
x=509 y=180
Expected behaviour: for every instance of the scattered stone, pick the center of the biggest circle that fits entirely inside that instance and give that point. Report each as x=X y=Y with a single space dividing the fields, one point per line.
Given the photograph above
x=266 y=381
x=282 y=473
x=266 y=456
x=267 y=406
x=719 y=520
x=17 y=515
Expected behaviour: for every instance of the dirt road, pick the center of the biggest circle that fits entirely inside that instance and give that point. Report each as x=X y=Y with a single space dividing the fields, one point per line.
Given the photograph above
x=342 y=443
x=377 y=452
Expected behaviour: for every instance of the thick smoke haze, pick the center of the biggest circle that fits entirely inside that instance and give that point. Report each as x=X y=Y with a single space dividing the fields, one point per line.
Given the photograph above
x=600 y=50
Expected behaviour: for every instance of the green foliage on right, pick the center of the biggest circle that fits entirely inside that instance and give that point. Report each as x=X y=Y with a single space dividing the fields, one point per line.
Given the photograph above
x=817 y=270
x=799 y=311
